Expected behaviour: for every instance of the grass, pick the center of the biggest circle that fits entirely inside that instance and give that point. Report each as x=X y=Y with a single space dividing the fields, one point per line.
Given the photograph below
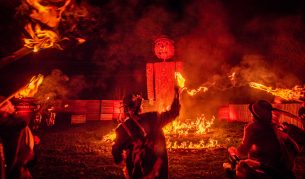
x=79 y=152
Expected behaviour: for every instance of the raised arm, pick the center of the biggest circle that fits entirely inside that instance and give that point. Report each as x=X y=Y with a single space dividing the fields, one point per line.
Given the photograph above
x=168 y=116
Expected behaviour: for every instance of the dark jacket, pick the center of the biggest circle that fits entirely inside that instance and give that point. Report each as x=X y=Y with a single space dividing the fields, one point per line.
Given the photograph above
x=146 y=153
x=269 y=146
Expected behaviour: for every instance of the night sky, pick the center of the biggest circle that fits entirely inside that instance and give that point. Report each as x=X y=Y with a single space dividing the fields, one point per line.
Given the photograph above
x=260 y=40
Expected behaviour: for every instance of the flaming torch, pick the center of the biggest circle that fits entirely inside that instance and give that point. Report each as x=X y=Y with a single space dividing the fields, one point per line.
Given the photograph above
x=294 y=94
x=29 y=90
x=181 y=83
x=47 y=16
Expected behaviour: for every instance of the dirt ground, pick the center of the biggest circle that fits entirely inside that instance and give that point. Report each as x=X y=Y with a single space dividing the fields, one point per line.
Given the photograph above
x=80 y=152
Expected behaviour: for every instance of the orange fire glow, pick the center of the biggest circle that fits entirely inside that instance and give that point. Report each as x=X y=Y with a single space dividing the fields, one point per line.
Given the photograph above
x=189 y=134
x=293 y=94
x=186 y=134
x=180 y=79
x=181 y=83
x=31 y=88
x=49 y=16
x=41 y=39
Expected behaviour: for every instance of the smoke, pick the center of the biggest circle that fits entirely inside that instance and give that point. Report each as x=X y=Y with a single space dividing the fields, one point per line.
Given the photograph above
x=57 y=85
x=211 y=43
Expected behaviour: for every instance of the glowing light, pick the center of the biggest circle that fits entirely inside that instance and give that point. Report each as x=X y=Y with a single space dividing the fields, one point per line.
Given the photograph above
x=183 y=134
x=295 y=93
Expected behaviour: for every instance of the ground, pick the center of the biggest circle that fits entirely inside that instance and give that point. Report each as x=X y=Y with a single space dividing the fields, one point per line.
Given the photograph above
x=80 y=152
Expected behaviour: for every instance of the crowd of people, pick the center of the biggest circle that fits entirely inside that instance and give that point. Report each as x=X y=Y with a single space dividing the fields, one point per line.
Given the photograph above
x=268 y=148
x=17 y=141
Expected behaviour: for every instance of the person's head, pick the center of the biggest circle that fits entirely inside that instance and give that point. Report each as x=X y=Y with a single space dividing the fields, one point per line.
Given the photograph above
x=261 y=111
x=132 y=104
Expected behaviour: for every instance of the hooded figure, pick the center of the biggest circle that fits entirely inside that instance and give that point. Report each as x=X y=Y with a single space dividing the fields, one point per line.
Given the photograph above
x=141 y=139
x=272 y=149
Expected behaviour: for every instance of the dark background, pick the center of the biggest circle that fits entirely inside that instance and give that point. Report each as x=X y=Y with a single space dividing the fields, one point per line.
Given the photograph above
x=260 y=40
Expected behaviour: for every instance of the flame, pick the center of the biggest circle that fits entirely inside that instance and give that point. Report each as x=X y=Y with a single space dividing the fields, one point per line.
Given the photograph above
x=110 y=137
x=31 y=88
x=180 y=79
x=50 y=17
x=295 y=93
x=181 y=83
x=186 y=134
x=41 y=39
x=195 y=91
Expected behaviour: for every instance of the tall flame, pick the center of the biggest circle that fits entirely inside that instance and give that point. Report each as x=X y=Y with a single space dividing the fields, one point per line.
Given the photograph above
x=31 y=88
x=181 y=83
x=295 y=93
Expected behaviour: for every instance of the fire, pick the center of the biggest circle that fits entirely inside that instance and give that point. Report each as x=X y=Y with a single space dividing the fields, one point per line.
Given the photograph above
x=189 y=134
x=48 y=15
x=110 y=137
x=181 y=83
x=295 y=93
x=41 y=39
x=195 y=91
x=31 y=88
x=180 y=79
x=186 y=134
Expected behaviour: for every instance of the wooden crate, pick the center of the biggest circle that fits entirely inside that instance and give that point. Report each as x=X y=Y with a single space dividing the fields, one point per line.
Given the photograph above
x=106 y=116
x=92 y=116
x=78 y=119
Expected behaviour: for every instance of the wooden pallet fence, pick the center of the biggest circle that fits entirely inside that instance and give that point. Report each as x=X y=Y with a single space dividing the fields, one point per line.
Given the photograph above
x=78 y=119
x=241 y=113
x=93 y=110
